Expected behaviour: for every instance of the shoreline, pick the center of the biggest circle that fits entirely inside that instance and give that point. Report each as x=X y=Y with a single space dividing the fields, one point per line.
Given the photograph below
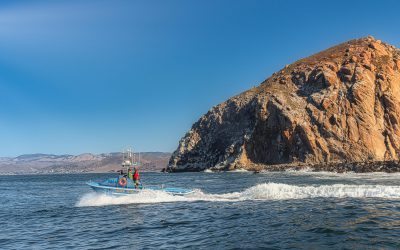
x=334 y=167
x=69 y=173
x=341 y=167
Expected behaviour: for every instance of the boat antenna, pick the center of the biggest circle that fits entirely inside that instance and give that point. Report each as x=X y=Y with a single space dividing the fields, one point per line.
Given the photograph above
x=133 y=159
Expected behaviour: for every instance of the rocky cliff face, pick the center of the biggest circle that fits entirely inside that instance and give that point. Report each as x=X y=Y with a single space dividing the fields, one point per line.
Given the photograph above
x=340 y=105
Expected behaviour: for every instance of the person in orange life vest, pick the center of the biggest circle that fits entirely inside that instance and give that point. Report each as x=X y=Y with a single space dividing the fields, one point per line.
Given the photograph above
x=136 y=177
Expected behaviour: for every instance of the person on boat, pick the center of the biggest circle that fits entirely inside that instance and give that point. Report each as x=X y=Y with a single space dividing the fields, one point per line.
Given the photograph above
x=136 y=178
x=130 y=175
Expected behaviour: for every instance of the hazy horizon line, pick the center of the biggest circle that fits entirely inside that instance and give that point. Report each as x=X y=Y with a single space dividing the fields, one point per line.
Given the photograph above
x=77 y=154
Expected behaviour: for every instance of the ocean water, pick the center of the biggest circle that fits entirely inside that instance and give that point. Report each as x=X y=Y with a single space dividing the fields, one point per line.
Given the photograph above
x=287 y=210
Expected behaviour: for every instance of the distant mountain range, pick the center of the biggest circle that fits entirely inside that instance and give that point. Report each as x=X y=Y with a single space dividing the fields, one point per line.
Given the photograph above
x=95 y=163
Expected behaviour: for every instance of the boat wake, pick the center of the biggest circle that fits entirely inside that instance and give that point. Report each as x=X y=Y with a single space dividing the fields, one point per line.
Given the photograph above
x=266 y=191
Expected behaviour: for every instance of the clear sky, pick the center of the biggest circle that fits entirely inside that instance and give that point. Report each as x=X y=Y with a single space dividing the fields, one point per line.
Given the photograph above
x=95 y=76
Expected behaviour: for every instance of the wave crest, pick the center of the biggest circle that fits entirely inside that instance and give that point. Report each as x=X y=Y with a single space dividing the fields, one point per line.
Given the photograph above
x=266 y=191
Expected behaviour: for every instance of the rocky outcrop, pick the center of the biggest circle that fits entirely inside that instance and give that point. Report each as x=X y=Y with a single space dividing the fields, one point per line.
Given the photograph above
x=340 y=105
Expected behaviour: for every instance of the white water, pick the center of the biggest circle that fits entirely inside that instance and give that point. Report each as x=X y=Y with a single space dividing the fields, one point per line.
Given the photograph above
x=266 y=191
x=239 y=170
x=346 y=175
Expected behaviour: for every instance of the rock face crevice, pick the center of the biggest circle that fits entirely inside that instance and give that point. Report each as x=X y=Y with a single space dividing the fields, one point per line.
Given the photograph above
x=340 y=105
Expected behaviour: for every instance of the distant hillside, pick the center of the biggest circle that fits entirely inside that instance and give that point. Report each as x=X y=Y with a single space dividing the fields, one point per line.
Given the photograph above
x=96 y=163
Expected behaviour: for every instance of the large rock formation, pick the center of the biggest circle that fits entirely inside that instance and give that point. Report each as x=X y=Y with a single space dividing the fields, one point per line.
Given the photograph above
x=340 y=105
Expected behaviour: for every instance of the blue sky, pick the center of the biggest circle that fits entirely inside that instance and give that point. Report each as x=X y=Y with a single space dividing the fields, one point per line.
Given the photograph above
x=95 y=76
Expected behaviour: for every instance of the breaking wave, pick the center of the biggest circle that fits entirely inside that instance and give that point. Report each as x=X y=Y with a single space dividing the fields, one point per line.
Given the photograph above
x=345 y=175
x=266 y=191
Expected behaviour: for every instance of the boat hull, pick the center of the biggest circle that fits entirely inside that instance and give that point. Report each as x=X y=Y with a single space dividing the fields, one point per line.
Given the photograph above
x=117 y=191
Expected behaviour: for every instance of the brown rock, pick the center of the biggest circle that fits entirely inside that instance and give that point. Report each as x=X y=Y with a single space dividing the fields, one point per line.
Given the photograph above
x=398 y=64
x=346 y=70
x=332 y=108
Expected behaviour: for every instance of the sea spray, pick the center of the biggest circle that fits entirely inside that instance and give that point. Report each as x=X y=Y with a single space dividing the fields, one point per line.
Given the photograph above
x=279 y=191
x=266 y=191
x=146 y=196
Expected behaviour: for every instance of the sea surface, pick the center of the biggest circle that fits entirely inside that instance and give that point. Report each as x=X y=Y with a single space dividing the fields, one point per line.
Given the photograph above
x=282 y=210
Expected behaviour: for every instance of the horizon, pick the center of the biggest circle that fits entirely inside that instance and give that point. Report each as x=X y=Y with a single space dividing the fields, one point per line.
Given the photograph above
x=144 y=152
x=92 y=76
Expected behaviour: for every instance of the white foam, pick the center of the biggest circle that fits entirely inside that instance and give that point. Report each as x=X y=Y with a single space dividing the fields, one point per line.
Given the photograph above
x=280 y=191
x=266 y=191
x=345 y=175
x=239 y=170
x=147 y=196
x=302 y=170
